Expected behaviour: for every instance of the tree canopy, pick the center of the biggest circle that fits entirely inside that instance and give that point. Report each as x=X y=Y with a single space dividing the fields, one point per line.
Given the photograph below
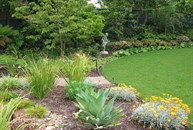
x=60 y=21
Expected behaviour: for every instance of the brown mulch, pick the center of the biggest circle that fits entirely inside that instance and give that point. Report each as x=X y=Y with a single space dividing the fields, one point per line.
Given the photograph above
x=57 y=103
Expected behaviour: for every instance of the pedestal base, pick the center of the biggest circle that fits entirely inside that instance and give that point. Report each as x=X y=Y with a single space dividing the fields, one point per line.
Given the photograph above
x=104 y=52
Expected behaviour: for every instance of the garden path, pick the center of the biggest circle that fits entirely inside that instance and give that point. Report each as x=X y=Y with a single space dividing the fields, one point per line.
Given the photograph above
x=98 y=81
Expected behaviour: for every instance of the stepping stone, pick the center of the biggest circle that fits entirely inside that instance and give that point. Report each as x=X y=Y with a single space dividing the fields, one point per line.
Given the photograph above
x=99 y=81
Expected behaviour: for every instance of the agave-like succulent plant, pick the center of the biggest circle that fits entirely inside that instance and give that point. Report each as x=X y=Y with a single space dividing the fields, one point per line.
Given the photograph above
x=95 y=112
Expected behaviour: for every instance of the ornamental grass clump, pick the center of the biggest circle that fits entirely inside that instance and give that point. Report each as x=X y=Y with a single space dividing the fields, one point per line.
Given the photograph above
x=77 y=68
x=165 y=112
x=95 y=112
x=9 y=83
x=124 y=92
x=6 y=112
x=42 y=74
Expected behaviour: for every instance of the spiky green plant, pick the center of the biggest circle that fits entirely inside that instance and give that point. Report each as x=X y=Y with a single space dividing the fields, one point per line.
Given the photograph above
x=8 y=83
x=6 y=112
x=6 y=96
x=77 y=68
x=95 y=112
x=37 y=111
x=42 y=75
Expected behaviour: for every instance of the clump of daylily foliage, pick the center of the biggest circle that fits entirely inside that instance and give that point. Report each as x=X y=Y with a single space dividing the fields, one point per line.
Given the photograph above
x=165 y=112
x=124 y=92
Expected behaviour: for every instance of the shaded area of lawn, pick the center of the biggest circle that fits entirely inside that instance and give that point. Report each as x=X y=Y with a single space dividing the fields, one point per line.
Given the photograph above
x=155 y=73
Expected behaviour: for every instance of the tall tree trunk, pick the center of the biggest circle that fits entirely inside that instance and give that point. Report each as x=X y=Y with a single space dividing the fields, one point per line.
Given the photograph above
x=146 y=17
x=62 y=48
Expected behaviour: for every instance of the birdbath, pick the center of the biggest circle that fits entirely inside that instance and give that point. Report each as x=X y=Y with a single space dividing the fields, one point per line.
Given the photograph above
x=104 y=43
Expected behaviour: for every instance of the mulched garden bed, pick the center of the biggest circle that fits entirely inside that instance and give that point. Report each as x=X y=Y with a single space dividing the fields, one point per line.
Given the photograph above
x=58 y=104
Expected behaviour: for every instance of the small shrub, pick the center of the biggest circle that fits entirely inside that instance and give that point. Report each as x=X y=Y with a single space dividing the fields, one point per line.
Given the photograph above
x=134 y=50
x=42 y=75
x=25 y=103
x=121 y=53
x=124 y=92
x=77 y=68
x=37 y=111
x=167 y=37
x=75 y=87
x=148 y=42
x=190 y=34
x=148 y=35
x=162 y=113
x=9 y=83
x=95 y=112
x=113 y=46
x=163 y=43
x=173 y=42
x=181 y=39
x=23 y=83
x=137 y=43
x=7 y=96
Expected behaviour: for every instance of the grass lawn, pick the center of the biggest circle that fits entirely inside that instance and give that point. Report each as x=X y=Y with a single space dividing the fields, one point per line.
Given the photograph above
x=156 y=72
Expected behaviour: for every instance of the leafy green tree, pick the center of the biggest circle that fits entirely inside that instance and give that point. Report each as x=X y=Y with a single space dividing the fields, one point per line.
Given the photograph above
x=163 y=15
x=63 y=22
x=117 y=14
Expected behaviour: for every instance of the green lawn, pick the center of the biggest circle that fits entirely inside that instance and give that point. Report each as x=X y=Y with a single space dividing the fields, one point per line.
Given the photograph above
x=156 y=72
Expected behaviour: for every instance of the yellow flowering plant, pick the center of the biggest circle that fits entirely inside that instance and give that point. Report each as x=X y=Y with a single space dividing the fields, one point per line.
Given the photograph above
x=165 y=112
x=124 y=92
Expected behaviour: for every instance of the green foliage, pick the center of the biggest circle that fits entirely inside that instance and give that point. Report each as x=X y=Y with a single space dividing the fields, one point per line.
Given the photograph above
x=37 y=111
x=117 y=14
x=11 y=64
x=66 y=22
x=182 y=39
x=8 y=83
x=11 y=36
x=6 y=96
x=121 y=53
x=25 y=103
x=167 y=37
x=113 y=46
x=95 y=112
x=190 y=34
x=7 y=111
x=77 y=68
x=73 y=88
x=42 y=75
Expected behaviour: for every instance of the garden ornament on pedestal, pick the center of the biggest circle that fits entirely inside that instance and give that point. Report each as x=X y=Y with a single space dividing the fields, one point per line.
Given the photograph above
x=104 y=43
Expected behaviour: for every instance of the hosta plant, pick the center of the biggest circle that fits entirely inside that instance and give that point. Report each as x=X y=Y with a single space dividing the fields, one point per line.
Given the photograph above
x=162 y=113
x=75 y=87
x=124 y=92
x=121 y=53
x=95 y=112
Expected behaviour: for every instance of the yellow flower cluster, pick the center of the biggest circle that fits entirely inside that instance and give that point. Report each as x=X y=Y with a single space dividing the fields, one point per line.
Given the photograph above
x=125 y=88
x=124 y=92
x=166 y=111
x=173 y=104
